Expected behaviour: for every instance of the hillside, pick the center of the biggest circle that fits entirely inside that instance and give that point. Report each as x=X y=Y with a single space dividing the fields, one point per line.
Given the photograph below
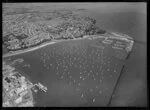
x=24 y=28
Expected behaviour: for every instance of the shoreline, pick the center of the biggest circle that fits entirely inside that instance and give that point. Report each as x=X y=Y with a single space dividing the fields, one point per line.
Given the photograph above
x=90 y=37
x=38 y=47
x=27 y=50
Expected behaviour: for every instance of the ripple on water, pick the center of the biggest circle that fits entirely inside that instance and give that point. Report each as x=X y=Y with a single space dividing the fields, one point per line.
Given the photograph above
x=82 y=69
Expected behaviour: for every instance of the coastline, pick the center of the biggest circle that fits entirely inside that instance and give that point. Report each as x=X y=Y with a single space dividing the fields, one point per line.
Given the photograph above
x=27 y=50
x=38 y=47
x=90 y=37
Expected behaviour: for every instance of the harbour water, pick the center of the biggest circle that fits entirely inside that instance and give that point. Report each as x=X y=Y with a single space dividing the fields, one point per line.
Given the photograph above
x=76 y=73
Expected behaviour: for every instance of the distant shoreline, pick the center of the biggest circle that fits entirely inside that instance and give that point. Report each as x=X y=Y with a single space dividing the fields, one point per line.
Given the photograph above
x=90 y=37
x=27 y=50
x=39 y=46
